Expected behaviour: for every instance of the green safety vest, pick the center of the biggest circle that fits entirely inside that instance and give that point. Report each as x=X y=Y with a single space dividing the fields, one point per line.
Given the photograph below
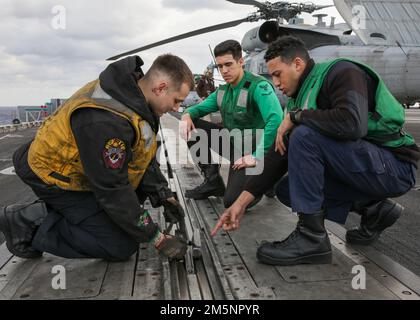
x=385 y=124
x=242 y=112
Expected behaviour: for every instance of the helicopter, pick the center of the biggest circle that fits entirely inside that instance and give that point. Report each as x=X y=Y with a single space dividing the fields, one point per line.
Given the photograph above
x=381 y=33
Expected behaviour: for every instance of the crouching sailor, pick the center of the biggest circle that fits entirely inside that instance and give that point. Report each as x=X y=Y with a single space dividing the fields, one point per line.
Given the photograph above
x=346 y=150
x=92 y=162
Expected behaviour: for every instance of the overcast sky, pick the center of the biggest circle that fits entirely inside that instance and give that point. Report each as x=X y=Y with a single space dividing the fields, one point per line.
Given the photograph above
x=39 y=60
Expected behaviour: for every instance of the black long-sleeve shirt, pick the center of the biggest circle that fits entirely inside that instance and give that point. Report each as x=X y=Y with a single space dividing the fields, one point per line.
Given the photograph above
x=345 y=98
x=92 y=129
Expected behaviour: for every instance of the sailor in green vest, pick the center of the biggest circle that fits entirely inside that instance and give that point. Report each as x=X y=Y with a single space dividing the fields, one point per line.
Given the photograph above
x=92 y=164
x=247 y=102
x=344 y=146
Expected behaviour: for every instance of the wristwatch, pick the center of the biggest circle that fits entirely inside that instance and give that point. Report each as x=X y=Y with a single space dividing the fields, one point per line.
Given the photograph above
x=295 y=116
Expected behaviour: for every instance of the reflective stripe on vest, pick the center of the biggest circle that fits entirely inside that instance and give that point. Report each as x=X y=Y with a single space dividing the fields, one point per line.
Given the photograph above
x=100 y=96
x=243 y=98
x=220 y=96
x=305 y=105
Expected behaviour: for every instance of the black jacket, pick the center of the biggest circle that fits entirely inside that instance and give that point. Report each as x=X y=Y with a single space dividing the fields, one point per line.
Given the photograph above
x=93 y=128
x=346 y=97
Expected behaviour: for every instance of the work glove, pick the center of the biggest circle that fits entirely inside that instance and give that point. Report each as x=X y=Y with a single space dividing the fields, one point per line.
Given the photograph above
x=173 y=212
x=172 y=246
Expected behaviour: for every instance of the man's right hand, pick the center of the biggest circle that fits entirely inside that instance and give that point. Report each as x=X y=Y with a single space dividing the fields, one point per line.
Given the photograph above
x=173 y=212
x=187 y=125
x=285 y=126
x=172 y=247
x=230 y=218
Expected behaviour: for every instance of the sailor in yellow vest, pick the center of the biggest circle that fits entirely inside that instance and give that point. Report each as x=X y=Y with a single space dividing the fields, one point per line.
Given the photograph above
x=346 y=150
x=92 y=162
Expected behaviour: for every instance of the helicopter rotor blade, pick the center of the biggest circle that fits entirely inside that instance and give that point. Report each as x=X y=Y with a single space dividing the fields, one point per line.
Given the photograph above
x=182 y=36
x=249 y=2
x=214 y=59
x=323 y=7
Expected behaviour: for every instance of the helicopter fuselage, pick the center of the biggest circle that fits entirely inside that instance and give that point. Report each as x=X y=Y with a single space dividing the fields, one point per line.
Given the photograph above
x=398 y=66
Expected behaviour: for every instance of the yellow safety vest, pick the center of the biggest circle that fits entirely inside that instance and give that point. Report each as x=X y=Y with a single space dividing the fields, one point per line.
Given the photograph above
x=54 y=157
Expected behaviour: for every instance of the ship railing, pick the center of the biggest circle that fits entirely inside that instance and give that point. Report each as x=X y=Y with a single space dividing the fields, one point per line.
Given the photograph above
x=17 y=127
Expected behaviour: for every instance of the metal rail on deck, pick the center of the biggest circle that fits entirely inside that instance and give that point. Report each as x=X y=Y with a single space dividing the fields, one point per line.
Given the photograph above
x=200 y=276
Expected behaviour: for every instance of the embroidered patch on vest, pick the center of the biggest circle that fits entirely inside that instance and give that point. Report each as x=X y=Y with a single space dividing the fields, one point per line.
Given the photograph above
x=114 y=153
x=220 y=95
x=247 y=84
x=144 y=219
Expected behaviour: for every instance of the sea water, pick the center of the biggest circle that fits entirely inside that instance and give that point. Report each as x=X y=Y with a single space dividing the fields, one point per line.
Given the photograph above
x=7 y=114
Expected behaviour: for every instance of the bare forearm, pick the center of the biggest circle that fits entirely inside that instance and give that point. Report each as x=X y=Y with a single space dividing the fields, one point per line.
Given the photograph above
x=245 y=198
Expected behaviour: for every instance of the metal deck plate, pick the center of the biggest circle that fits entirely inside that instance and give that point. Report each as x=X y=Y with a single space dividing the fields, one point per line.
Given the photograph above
x=340 y=269
x=227 y=268
x=84 y=278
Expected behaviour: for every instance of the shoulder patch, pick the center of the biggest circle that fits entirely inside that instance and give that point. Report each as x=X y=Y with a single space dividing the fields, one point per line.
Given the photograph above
x=114 y=153
x=264 y=86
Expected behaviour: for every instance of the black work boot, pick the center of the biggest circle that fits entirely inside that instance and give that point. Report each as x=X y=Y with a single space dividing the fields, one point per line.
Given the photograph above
x=270 y=193
x=19 y=223
x=376 y=217
x=213 y=184
x=308 y=244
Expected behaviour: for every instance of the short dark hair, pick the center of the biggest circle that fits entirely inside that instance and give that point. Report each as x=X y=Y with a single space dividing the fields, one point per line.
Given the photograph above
x=287 y=48
x=175 y=68
x=229 y=47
